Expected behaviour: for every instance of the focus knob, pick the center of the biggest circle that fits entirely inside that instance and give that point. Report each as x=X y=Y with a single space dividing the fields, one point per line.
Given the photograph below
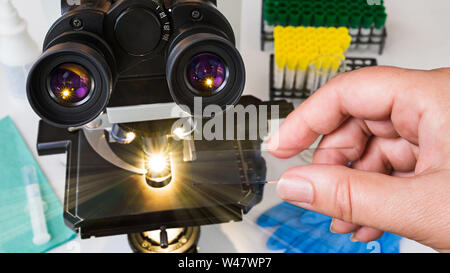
x=138 y=31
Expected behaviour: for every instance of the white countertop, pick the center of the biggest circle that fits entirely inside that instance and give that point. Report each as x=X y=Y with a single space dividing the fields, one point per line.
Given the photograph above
x=418 y=37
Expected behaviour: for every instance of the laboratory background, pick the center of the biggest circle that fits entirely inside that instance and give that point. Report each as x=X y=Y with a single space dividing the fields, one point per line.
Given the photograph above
x=405 y=33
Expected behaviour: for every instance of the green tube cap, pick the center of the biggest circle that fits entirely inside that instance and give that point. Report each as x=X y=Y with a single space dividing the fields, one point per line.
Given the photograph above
x=306 y=18
x=270 y=16
x=355 y=20
x=367 y=20
x=319 y=18
x=347 y=13
x=343 y=19
x=282 y=17
x=330 y=19
x=294 y=17
x=380 y=20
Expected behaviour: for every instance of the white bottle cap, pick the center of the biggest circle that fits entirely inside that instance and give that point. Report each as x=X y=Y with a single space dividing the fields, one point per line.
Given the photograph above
x=16 y=46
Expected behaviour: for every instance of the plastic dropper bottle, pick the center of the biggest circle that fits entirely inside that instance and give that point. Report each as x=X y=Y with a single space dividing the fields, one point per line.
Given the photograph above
x=17 y=50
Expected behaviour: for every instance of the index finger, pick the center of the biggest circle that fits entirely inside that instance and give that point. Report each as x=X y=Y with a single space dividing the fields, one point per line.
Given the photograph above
x=369 y=94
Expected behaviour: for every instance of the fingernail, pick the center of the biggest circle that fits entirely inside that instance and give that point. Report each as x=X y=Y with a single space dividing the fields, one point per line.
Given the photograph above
x=296 y=190
x=272 y=145
x=353 y=238
x=331 y=227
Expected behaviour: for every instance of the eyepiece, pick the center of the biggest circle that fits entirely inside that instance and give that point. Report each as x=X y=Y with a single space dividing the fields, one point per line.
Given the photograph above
x=69 y=85
x=205 y=65
x=206 y=73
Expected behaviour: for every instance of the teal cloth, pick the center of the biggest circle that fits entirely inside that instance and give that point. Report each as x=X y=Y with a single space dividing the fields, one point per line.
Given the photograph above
x=15 y=224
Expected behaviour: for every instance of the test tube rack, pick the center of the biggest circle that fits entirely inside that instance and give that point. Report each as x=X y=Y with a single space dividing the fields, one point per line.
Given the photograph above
x=350 y=63
x=362 y=38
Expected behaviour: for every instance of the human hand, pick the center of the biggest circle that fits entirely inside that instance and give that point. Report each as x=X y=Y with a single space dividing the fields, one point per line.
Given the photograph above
x=399 y=122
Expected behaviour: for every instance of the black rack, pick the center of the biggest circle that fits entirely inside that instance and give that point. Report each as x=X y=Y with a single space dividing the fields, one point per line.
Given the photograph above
x=373 y=39
x=351 y=63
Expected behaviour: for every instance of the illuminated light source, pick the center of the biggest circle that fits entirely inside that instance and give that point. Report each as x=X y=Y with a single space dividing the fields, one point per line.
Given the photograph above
x=157 y=163
x=159 y=170
x=209 y=82
x=65 y=93
x=130 y=136
x=179 y=132
x=122 y=135
x=184 y=131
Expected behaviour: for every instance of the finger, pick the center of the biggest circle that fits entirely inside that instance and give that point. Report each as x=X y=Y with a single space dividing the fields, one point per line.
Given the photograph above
x=346 y=144
x=369 y=94
x=382 y=155
x=383 y=128
x=366 y=234
x=339 y=226
x=353 y=132
x=385 y=155
x=362 y=198
x=402 y=174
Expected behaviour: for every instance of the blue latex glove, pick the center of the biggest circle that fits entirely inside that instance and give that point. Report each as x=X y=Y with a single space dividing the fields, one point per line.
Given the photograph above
x=303 y=231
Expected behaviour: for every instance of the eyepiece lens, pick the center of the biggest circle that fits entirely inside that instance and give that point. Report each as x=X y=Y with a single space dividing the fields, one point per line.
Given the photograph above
x=206 y=73
x=70 y=84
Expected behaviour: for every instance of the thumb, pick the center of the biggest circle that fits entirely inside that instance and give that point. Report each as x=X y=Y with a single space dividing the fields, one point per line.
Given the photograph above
x=364 y=198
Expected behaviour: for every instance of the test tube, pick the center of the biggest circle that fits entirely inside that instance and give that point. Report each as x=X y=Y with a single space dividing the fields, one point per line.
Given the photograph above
x=367 y=21
x=313 y=76
x=336 y=64
x=297 y=63
x=355 y=23
x=325 y=70
x=291 y=67
x=280 y=63
x=269 y=19
x=380 y=21
x=300 y=76
x=35 y=206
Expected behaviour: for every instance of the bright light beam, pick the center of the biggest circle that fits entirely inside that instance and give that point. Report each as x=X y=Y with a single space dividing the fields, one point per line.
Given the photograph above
x=157 y=163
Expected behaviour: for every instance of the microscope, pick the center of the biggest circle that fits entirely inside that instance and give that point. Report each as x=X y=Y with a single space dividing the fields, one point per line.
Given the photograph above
x=114 y=81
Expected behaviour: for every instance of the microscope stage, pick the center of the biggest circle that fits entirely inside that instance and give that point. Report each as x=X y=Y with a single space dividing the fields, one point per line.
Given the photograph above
x=102 y=199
